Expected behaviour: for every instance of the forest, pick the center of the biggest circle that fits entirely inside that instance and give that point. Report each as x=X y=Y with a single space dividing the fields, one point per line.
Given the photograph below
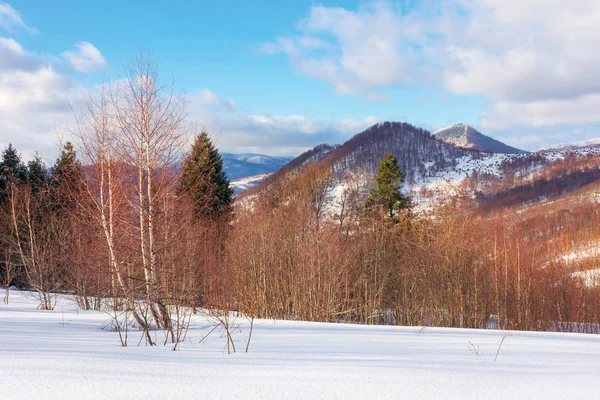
x=134 y=220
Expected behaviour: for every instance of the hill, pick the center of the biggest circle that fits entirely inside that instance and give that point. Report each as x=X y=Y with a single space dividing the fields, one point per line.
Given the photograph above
x=247 y=164
x=434 y=167
x=463 y=135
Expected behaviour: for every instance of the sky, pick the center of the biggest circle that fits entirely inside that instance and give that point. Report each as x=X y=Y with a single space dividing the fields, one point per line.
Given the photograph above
x=277 y=78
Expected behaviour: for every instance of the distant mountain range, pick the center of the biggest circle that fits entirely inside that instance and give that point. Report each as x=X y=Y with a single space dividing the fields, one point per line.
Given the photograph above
x=433 y=163
x=463 y=135
x=244 y=165
x=592 y=143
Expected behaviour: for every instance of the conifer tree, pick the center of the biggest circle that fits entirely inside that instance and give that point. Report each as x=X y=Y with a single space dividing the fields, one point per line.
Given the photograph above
x=388 y=193
x=36 y=173
x=12 y=170
x=203 y=178
x=67 y=177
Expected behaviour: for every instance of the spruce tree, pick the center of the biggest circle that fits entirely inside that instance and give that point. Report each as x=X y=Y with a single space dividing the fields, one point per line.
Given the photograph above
x=12 y=170
x=67 y=178
x=388 y=193
x=203 y=178
x=36 y=173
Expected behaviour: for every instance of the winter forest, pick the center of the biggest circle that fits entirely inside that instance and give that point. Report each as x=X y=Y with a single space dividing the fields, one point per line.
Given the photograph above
x=135 y=219
x=374 y=199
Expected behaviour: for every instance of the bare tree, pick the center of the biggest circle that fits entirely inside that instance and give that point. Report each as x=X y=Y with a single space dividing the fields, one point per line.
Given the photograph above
x=150 y=118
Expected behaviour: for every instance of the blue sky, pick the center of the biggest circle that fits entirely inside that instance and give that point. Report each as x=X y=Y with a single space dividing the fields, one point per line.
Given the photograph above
x=279 y=77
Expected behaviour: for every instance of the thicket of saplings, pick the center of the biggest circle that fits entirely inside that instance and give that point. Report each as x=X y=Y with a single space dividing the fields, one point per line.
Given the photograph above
x=123 y=226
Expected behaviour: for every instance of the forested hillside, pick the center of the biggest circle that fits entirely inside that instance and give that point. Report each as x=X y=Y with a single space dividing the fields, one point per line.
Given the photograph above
x=474 y=240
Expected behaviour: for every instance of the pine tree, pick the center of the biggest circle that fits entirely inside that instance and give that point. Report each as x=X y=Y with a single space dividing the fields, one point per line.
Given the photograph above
x=203 y=178
x=388 y=193
x=12 y=170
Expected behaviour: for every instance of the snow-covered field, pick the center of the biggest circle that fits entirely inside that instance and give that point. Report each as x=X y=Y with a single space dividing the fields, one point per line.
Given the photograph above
x=64 y=354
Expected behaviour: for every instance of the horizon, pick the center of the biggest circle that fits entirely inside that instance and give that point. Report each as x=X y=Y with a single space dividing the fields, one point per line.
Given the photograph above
x=278 y=80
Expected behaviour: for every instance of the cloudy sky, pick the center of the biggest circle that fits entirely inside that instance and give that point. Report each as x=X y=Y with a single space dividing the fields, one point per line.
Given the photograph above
x=277 y=77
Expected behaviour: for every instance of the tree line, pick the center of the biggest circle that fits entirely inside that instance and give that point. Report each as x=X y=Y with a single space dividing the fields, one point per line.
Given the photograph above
x=133 y=220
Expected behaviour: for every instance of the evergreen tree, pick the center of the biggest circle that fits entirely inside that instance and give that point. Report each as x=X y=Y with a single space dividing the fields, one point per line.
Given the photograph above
x=67 y=178
x=388 y=193
x=12 y=170
x=203 y=178
x=36 y=173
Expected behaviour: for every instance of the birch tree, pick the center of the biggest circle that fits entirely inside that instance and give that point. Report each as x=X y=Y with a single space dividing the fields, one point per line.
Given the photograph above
x=150 y=120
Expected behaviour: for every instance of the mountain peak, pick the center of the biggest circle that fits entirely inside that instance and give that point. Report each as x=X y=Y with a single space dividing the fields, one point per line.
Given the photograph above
x=464 y=135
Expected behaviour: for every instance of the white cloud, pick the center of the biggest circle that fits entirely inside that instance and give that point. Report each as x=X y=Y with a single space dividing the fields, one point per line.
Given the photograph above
x=85 y=57
x=209 y=98
x=11 y=18
x=525 y=50
x=239 y=131
x=35 y=100
x=36 y=96
x=358 y=52
x=10 y=45
x=582 y=110
x=535 y=61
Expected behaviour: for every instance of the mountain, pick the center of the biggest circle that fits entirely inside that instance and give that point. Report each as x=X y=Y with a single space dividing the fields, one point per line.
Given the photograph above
x=592 y=143
x=313 y=155
x=463 y=135
x=419 y=155
x=244 y=165
x=240 y=185
x=435 y=168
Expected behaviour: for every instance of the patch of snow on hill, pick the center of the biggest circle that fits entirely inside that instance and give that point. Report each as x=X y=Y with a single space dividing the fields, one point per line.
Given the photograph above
x=555 y=154
x=590 y=278
x=581 y=254
x=570 y=146
x=242 y=184
x=345 y=191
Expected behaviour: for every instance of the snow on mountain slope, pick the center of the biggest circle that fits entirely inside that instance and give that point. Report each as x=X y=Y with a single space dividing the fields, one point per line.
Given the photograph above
x=434 y=181
x=590 y=277
x=434 y=169
x=242 y=184
x=259 y=159
x=463 y=135
x=243 y=165
x=308 y=157
x=552 y=154
x=65 y=354
x=438 y=182
x=592 y=143
x=586 y=254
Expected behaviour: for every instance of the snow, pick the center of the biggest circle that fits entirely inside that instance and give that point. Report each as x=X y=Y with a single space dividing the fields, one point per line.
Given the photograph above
x=581 y=254
x=553 y=154
x=590 y=278
x=65 y=354
x=242 y=184
x=570 y=146
x=456 y=135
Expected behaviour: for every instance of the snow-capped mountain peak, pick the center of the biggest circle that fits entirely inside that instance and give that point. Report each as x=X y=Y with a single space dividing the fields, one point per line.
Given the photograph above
x=465 y=136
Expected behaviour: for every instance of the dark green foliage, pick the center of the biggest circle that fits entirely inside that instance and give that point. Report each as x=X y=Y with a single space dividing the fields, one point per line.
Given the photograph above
x=36 y=173
x=12 y=170
x=388 y=195
x=67 y=178
x=204 y=180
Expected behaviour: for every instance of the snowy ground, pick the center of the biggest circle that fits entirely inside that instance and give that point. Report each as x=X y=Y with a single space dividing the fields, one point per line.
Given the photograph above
x=65 y=354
